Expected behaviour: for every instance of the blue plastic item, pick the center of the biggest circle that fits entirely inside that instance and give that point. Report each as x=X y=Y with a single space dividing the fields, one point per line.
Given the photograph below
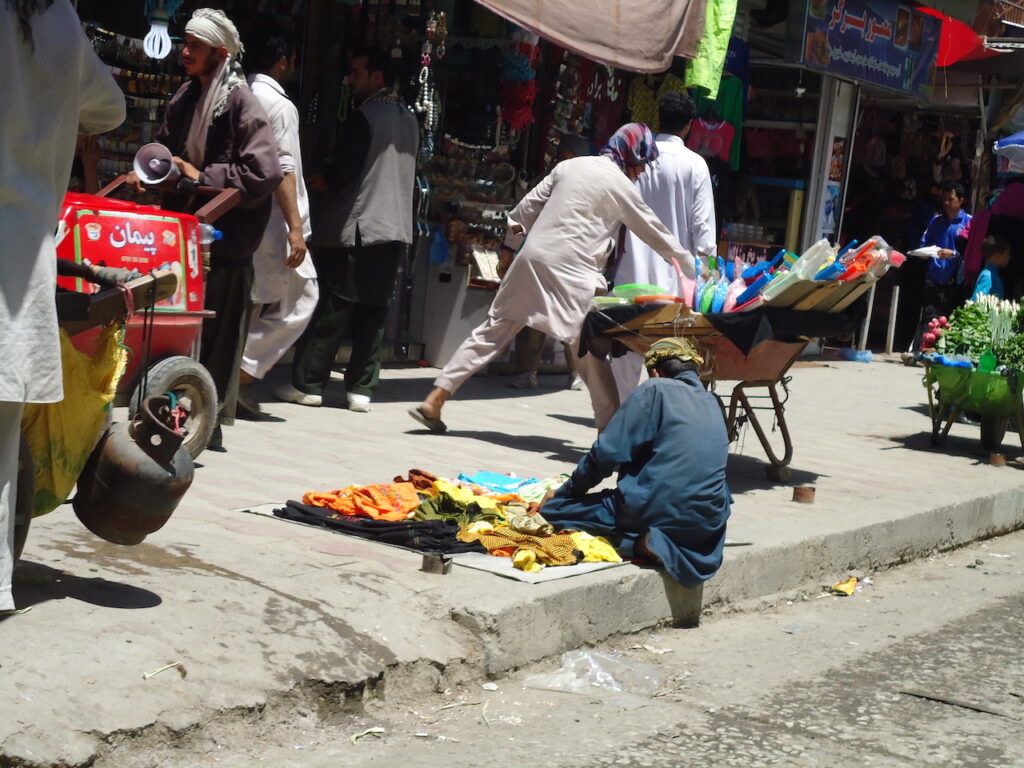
x=754 y=272
x=951 y=363
x=438 y=247
x=753 y=290
x=833 y=271
x=857 y=355
x=721 y=291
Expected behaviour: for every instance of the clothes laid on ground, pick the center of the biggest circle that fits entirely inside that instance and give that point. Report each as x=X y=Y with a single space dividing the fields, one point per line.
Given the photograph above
x=459 y=515
x=496 y=482
x=393 y=502
x=444 y=507
x=423 y=535
x=557 y=549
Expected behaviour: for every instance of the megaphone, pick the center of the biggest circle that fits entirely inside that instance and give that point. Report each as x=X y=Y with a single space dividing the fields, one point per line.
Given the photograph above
x=154 y=164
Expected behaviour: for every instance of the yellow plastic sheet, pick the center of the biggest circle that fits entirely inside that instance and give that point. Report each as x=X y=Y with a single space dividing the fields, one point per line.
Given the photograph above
x=61 y=435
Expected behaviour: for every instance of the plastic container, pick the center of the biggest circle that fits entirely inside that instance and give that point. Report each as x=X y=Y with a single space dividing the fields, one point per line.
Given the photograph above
x=753 y=290
x=610 y=301
x=632 y=290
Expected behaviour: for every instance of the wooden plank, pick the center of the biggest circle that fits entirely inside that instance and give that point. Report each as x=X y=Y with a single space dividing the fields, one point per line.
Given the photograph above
x=109 y=304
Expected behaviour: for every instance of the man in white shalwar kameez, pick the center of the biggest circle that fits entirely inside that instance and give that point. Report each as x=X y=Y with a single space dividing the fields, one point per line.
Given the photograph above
x=284 y=289
x=678 y=189
x=570 y=219
x=54 y=88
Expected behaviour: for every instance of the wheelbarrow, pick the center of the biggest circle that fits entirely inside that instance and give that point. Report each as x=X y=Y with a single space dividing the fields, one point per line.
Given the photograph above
x=164 y=344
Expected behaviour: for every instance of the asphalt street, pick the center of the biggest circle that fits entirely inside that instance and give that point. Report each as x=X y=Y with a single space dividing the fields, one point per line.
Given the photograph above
x=816 y=680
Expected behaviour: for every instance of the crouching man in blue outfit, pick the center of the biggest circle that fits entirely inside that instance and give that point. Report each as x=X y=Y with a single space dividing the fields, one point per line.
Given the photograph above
x=669 y=443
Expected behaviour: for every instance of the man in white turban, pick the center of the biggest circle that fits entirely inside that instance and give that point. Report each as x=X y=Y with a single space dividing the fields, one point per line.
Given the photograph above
x=221 y=137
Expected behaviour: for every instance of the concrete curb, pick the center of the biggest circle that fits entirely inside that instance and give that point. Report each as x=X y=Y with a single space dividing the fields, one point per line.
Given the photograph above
x=514 y=631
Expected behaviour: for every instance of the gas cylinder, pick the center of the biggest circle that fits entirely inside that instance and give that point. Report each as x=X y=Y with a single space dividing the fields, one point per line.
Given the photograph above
x=137 y=474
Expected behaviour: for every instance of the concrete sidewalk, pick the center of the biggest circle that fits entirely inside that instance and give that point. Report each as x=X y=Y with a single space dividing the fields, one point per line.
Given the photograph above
x=260 y=612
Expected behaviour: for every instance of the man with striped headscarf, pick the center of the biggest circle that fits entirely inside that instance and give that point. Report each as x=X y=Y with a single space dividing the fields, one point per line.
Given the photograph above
x=669 y=443
x=570 y=220
x=220 y=137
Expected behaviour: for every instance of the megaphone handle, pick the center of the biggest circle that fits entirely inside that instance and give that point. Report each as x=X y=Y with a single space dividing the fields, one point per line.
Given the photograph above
x=113 y=186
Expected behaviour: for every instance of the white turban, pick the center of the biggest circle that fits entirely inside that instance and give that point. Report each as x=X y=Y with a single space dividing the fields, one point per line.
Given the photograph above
x=217 y=30
x=214 y=28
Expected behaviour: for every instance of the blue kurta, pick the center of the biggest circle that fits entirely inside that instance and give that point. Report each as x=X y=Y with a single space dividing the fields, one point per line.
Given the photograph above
x=669 y=442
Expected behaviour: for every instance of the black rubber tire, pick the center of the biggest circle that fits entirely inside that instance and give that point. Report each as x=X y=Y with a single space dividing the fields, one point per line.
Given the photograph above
x=25 y=499
x=993 y=430
x=184 y=377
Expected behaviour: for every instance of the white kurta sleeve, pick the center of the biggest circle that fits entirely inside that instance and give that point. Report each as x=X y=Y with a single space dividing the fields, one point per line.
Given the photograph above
x=101 y=101
x=701 y=216
x=643 y=222
x=528 y=209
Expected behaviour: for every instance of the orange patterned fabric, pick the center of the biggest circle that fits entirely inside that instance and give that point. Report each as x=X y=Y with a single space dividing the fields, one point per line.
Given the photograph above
x=394 y=501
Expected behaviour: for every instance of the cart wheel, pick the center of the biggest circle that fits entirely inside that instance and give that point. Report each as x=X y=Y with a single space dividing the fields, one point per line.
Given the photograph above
x=184 y=377
x=993 y=429
x=25 y=499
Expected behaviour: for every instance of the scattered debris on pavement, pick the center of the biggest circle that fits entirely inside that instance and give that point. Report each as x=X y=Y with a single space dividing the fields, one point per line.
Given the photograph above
x=375 y=732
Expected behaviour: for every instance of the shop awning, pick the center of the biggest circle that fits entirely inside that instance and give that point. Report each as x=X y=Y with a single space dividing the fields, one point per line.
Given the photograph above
x=635 y=36
x=957 y=41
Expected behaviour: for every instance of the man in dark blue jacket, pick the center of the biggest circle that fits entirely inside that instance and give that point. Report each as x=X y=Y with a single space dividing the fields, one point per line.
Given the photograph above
x=670 y=445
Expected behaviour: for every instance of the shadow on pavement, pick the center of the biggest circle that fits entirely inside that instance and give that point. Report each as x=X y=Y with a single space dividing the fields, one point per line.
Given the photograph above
x=958 y=445
x=747 y=473
x=554 y=448
x=583 y=421
x=36 y=583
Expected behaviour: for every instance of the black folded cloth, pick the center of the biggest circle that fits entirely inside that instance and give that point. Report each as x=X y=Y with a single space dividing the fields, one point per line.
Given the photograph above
x=421 y=535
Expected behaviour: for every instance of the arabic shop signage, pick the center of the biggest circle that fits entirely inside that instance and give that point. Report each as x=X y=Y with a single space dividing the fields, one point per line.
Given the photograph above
x=882 y=42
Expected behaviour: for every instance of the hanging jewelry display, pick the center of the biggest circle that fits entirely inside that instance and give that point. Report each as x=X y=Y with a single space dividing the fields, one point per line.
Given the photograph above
x=567 y=91
x=518 y=86
x=427 y=104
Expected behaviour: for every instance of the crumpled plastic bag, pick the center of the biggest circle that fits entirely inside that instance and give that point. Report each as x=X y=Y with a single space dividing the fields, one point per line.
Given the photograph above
x=583 y=671
x=61 y=436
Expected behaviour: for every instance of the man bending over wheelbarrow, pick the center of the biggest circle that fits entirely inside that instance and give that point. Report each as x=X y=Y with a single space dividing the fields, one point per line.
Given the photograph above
x=220 y=137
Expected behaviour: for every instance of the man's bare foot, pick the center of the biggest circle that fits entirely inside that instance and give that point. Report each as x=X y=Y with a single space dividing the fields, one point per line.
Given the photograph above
x=640 y=549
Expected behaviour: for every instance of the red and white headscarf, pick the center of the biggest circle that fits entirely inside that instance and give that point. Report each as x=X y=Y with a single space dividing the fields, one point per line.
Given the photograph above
x=631 y=146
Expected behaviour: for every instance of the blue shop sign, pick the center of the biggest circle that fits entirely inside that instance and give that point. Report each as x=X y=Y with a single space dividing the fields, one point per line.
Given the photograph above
x=882 y=42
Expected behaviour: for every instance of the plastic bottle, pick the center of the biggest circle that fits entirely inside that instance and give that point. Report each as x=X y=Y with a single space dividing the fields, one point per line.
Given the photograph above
x=208 y=233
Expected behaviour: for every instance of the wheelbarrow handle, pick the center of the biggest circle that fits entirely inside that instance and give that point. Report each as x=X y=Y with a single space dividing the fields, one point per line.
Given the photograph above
x=223 y=200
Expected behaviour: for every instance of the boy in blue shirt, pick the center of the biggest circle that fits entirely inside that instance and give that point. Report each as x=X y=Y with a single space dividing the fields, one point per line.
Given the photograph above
x=996 y=251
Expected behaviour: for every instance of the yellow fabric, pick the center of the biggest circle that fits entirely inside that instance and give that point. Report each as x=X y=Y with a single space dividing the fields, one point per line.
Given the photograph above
x=550 y=550
x=672 y=346
x=464 y=495
x=61 y=436
x=526 y=560
x=595 y=549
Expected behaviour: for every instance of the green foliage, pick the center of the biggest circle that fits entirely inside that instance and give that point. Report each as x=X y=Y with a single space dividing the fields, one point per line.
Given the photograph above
x=969 y=332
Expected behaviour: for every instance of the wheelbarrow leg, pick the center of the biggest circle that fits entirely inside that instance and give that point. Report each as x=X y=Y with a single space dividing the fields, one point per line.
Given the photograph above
x=777 y=468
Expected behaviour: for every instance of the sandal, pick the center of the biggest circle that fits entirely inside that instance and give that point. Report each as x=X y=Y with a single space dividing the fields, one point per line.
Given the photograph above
x=434 y=425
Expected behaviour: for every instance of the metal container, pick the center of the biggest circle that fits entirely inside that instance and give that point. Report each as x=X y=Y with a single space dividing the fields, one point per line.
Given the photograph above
x=136 y=475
